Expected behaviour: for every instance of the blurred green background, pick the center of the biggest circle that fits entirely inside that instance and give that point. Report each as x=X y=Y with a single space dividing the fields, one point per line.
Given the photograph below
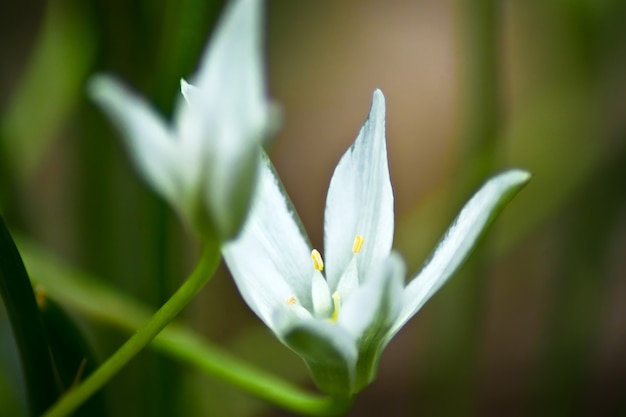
x=534 y=324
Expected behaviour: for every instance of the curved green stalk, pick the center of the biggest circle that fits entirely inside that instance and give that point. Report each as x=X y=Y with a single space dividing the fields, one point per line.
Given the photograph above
x=102 y=303
x=186 y=346
x=144 y=335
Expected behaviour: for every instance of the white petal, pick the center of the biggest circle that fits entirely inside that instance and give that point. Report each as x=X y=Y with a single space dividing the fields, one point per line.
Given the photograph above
x=226 y=115
x=349 y=281
x=369 y=314
x=232 y=62
x=145 y=133
x=270 y=258
x=295 y=312
x=286 y=318
x=188 y=91
x=329 y=352
x=459 y=240
x=360 y=200
x=228 y=104
x=229 y=187
x=377 y=302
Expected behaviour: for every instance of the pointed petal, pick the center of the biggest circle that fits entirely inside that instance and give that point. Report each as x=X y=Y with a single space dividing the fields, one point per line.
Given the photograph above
x=270 y=258
x=329 y=352
x=378 y=301
x=145 y=134
x=227 y=105
x=226 y=115
x=189 y=92
x=229 y=188
x=459 y=240
x=360 y=200
x=369 y=314
x=349 y=281
x=232 y=61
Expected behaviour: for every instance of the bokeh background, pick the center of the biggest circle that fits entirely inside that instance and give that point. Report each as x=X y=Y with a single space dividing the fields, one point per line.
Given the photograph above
x=534 y=324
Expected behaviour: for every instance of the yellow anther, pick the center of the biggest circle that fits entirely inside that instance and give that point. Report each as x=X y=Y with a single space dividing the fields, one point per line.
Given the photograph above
x=291 y=300
x=336 y=305
x=358 y=244
x=318 y=263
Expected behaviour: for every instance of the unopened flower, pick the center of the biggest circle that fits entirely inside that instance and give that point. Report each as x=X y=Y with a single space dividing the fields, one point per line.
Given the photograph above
x=340 y=314
x=205 y=163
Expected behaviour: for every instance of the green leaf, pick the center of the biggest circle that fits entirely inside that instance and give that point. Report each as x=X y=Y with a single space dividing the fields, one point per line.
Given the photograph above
x=19 y=300
x=73 y=359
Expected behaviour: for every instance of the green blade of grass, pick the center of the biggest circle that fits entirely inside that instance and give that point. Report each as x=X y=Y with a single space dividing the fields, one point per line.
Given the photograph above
x=19 y=300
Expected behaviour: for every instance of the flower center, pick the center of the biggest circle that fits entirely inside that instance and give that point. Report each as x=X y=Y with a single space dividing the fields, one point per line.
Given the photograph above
x=326 y=305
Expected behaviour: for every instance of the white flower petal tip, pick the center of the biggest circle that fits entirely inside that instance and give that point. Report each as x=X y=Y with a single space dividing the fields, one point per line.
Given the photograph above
x=511 y=178
x=339 y=311
x=186 y=90
x=378 y=100
x=205 y=162
x=360 y=200
x=98 y=86
x=459 y=240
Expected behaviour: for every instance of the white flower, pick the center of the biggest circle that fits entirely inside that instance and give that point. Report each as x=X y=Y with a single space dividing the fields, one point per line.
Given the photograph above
x=205 y=163
x=339 y=324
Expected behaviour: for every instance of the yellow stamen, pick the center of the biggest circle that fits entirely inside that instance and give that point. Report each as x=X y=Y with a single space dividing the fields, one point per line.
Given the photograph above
x=358 y=244
x=336 y=305
x=291 y=300
x=318 y=263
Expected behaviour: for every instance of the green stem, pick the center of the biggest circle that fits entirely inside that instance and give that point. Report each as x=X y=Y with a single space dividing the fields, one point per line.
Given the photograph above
x=144 y=335
x=102 y=303
x=190 y=348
